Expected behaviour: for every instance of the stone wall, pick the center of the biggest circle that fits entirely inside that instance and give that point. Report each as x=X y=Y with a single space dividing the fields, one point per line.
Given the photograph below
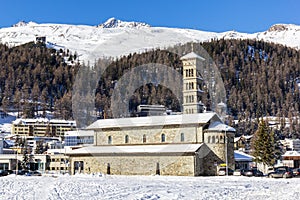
x=192 y=134
x=217 y=145
x=137 y=165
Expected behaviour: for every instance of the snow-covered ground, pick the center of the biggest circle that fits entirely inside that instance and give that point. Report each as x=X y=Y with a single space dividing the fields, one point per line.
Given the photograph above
x=147 y=187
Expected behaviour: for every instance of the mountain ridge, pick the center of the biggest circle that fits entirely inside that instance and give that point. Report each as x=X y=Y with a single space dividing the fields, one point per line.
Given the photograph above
x=115 y=38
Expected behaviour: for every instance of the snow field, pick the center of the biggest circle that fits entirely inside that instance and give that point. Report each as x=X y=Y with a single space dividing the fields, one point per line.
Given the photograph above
x=146 y=187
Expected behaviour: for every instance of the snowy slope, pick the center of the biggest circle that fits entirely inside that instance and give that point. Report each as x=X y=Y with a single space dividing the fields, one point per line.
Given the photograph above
x=115 y=38
x=147 y=187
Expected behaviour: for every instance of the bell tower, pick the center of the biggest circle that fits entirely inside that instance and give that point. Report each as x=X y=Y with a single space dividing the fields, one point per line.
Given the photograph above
x=192 y=83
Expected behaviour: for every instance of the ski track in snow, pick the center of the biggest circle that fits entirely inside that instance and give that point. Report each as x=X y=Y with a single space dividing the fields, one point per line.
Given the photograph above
x=146 y=188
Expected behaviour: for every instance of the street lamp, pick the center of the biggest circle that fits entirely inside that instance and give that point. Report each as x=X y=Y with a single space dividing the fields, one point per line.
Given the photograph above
x=226 y=154
x=17 y=163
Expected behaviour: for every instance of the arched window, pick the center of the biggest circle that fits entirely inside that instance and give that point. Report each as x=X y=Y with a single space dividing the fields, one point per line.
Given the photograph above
x=109 y=140
x=182 y=137
x=213 y=139
x=221 y=139
x=163 y=138
x=126 y=139
x=208 y=139
x=144 y=138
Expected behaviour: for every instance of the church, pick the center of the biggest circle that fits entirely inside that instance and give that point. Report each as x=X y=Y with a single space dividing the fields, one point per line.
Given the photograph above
x=194 y=143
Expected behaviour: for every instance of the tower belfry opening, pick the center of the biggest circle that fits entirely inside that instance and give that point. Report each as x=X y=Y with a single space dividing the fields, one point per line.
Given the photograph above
x=192 y=83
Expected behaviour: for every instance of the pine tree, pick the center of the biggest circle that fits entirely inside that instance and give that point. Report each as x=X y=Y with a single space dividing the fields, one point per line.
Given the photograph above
x=39 y=147
x=25 y=161
x=263 y=145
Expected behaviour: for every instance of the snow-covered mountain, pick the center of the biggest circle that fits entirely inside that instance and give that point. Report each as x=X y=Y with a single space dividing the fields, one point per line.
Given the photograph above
x=115 y=23
x=115 y=37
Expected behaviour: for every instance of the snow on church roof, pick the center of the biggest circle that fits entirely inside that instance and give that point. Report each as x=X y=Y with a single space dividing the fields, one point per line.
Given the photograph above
x=219 y=126
x=198 y=118
x=165 y=148
x=191 y=55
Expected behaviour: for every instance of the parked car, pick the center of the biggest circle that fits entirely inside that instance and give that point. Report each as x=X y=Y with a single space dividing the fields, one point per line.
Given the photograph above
x=3 y=173
x=9 y=171
x=237 y=172
x=222 y=171
x=23 y=172
x=257 y=173
x=34 y=173
x=296 y=172
x=248 y=172
x=270 y=170
x=281 y=173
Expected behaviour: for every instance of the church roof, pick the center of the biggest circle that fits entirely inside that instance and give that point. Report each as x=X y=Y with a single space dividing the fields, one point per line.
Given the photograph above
x=219 y=126
x=191 y=55
x=198 y=118
x=126 y=149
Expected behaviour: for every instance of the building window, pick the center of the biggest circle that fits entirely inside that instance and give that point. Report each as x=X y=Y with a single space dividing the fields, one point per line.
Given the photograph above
x=186 y=73
x=144 y=138
x=221 y=139
x=208 y=139
x=163 y=138
x=182 y=137
x=213 y=139
x=109 y=140
x=126 y=139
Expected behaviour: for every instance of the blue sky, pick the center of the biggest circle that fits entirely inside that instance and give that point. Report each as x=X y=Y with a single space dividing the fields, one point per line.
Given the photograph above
x=210 y=15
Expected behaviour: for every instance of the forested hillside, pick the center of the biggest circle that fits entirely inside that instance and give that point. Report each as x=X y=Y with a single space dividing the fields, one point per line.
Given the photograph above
x=260 y=80
x=34 y=78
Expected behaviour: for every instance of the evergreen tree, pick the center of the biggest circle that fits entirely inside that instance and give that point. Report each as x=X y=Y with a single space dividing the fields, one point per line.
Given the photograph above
x=25 y=161
x=39 y=147
x=263 y=145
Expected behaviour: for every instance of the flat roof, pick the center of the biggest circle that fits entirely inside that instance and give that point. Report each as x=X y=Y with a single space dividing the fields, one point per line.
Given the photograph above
x=80 y=133
x=127 y=149
x=241 y=156
x=42 y=120
x=198 y=118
